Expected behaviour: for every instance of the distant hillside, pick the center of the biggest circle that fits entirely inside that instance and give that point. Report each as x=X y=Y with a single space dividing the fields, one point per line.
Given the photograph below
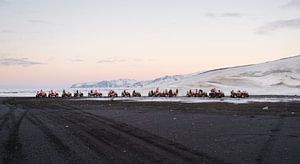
x=274 y=77
x=121 y=83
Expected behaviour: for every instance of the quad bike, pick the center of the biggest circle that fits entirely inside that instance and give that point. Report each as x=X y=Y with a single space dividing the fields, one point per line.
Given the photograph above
x=78 y=94
x=53 y=94
x=125 y=94
x=112 y=93
x=171 y=94
x=66 y=94
x=40 y=94
x=239 y=94
x=136 y=94
x=216 y=94
x=94 y=93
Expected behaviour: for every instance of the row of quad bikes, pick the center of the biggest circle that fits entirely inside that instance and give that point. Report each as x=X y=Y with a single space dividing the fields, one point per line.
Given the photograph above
x=112 y=93
x=94 y=93
x=165 y=93
x=55 y=94
x=213 y=94
x=217 y=94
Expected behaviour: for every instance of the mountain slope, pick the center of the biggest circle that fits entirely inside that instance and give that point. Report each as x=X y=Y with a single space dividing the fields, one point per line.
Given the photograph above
x=121 y=83
x=275 y=77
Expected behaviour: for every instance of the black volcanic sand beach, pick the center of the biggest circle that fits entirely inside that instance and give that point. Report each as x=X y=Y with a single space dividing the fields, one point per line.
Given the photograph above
x=82 y=131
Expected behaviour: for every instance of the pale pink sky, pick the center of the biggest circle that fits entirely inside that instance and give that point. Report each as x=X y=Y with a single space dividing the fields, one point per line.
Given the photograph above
x=104 y=40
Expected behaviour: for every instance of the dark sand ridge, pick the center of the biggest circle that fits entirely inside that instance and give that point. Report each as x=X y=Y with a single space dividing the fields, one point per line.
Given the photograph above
x=67 y=131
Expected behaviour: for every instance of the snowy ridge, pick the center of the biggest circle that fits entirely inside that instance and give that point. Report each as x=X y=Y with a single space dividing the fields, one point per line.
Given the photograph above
x=121 y=83
x=279 y=77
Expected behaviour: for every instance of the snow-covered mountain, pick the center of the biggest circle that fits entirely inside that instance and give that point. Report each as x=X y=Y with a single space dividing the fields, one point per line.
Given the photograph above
x=121 y=83
x=275 y=77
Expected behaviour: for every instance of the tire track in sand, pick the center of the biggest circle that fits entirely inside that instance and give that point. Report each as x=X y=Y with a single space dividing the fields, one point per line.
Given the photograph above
x=12 y=146
x=94 y=141
x=59 y=145
x=7 y=115
x=116 y=141
x=5 y=118
x=154 y=147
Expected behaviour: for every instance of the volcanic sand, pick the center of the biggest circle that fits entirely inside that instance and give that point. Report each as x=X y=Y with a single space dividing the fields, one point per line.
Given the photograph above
x=82 y=131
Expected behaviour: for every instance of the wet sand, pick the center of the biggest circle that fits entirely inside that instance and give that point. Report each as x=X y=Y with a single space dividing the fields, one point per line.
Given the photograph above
x=81 y=131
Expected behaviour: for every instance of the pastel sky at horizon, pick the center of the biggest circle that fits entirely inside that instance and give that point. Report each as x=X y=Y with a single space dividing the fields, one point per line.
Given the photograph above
x=55 y=43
